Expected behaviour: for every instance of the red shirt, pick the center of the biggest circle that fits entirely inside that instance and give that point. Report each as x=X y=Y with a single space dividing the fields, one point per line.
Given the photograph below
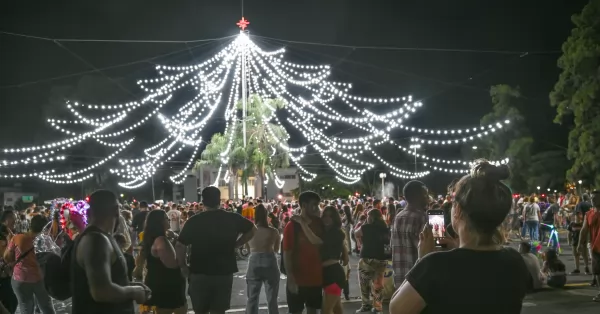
x=307 y=271
x=593 y=220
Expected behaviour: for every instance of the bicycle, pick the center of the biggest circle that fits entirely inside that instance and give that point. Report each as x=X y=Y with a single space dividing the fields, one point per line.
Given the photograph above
x=553 y=240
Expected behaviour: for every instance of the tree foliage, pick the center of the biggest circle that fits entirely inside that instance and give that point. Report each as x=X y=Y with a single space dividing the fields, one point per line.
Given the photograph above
x=262 y=153
x=513 y=142
x=576 y=95
x=328 y=187
x=548 y=169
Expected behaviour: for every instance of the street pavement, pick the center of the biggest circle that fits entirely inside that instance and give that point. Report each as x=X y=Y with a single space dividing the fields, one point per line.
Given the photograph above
x=576 y=297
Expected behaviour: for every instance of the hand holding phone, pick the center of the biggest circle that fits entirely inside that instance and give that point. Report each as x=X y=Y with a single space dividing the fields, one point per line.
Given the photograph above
x=437 y=221
x=426 y=241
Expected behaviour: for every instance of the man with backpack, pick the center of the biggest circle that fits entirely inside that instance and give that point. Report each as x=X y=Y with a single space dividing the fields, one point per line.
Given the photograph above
x=549 y=218
x=301 y=259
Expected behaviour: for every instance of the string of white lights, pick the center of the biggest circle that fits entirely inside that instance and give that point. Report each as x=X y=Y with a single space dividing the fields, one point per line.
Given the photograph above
x=458 y=171
x=484 y=132
x=306 y=90
x=455 y=162
x=452 y=131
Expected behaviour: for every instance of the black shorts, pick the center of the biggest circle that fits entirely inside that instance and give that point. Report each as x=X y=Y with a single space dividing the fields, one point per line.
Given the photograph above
x=595 y=263
x=312 y=297
x=210 y=293
x=334 y=274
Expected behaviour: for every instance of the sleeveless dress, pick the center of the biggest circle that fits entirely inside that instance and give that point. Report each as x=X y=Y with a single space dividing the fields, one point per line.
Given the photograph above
x=82 y=300
x=167 y=285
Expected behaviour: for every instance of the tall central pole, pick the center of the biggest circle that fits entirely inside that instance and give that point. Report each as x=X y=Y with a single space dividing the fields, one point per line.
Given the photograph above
x=244 y=93
x=153 y=196
x=244 y=104
x=415 y=160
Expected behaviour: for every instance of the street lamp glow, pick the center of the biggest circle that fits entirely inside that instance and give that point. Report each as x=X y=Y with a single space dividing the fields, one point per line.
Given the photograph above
x=474 y=147
x=122 y=195
x=382 y=176
x=538 y=188
x=414 y=147
x=580 y=181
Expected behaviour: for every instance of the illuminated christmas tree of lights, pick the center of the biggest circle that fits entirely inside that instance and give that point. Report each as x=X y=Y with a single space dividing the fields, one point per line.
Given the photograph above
x=240 y=69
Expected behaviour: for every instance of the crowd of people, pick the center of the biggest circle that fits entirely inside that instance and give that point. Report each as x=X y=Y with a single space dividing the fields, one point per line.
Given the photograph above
x=159 y=254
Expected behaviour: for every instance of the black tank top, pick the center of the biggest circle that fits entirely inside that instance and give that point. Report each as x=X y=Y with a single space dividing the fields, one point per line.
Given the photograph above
x=82 y=300
x=167 y=284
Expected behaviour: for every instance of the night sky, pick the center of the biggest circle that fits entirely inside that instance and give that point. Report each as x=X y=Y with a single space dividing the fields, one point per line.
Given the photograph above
x=453 y=85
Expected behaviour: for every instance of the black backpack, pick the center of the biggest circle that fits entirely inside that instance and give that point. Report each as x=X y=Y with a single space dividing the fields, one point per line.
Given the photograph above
x=57 y=271
x=297 y=228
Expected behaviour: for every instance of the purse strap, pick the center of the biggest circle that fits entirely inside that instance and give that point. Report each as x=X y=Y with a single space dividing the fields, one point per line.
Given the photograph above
x=21 y=257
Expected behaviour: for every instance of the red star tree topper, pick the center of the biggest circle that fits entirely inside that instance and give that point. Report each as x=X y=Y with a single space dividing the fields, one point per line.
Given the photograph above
x=243 y=23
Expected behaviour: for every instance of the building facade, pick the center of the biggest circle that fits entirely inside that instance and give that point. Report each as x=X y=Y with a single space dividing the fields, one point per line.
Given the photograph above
x=198 y=179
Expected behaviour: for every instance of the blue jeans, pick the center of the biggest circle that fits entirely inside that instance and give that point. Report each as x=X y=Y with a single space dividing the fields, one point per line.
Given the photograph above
x=262 y=268
x=26 y=291
x=532 y=229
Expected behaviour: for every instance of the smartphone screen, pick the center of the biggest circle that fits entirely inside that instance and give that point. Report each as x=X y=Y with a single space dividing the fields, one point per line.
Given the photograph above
x=438 y=224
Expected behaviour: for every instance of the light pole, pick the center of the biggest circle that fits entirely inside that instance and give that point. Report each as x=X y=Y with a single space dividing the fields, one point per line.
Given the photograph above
x=580 y=189
x=382 y=176
x=538 y=188
x=415 y=147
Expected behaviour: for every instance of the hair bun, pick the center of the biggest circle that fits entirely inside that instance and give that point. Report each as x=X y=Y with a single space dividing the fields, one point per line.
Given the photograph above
x=484 y=169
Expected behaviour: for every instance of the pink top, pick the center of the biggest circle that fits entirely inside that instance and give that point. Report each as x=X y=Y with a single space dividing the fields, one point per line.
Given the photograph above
x=27 y=270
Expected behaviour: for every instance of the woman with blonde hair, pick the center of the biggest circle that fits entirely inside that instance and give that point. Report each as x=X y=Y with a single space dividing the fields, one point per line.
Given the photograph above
x=262 y=264
x=358 y=210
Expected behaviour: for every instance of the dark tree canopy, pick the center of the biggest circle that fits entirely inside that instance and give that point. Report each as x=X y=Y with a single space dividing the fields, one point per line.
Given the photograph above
x=515 y=142
x=576 y=95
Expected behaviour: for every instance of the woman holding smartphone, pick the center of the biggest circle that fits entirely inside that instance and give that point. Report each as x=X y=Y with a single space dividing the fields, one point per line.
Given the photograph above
x=480 y=206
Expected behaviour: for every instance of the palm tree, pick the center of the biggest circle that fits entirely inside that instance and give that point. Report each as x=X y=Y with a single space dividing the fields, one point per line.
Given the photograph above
x=263 y=137
x=262 y=153
x=235 y=159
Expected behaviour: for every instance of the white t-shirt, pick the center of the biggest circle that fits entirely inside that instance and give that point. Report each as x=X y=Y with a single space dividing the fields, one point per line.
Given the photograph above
x=175 y=219
x=531 y=212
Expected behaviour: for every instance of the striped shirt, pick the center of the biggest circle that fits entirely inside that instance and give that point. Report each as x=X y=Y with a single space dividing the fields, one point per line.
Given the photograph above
x=21 y=226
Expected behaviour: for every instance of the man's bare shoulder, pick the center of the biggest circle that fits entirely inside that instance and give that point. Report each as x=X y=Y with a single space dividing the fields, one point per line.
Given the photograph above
x=91 y=244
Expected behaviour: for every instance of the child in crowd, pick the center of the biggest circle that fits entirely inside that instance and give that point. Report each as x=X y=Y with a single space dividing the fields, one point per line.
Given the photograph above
x=361 y=220
x=533 y=265
x=346 y=287
x=574 y=230
x=553 y=270
x=184 y=218
x=120 y=239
